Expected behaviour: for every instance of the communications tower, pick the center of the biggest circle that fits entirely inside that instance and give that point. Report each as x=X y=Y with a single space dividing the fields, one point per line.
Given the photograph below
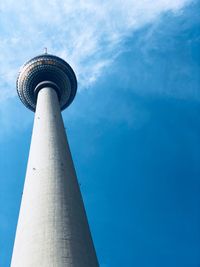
x=52 y=229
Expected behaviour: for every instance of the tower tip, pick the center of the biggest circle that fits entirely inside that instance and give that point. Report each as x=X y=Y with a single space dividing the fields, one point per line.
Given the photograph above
x=45 y=50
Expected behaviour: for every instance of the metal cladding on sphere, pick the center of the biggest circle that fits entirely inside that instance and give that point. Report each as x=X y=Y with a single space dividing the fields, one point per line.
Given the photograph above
x=42 y=71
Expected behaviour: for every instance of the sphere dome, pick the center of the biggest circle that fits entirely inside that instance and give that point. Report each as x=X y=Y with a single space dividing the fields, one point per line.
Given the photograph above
x=43 y=71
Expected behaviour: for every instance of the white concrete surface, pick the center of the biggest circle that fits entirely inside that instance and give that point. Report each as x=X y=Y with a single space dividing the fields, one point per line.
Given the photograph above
x=52 y=228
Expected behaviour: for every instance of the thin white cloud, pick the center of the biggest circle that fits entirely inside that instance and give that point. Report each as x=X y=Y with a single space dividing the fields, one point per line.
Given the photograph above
x=88 y=34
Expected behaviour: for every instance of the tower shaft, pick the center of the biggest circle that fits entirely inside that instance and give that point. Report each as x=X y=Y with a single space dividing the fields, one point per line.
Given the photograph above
x=52 y=228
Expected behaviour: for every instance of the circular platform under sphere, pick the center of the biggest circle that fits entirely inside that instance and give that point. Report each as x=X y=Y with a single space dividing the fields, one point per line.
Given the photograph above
x=43 y=71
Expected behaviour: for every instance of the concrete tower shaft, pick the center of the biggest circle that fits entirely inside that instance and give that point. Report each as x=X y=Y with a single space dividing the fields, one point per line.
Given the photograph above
x=52 y=229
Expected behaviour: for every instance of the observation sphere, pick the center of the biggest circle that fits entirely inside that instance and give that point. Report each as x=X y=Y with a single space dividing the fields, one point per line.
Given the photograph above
x=46 y=71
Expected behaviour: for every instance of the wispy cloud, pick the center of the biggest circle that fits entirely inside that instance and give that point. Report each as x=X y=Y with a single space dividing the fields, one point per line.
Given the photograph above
x=88 y=34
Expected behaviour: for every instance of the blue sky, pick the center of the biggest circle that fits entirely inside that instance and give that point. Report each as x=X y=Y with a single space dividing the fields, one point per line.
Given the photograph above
x=134 y=126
